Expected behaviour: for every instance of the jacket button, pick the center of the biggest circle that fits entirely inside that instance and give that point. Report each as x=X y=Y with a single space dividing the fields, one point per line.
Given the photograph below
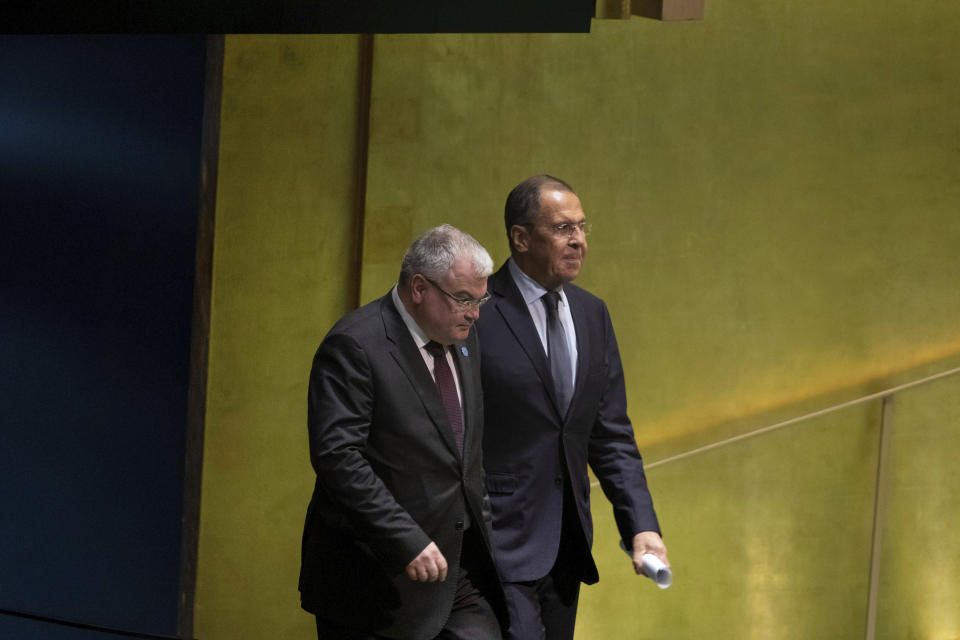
x=459 y=525
x=558 y=481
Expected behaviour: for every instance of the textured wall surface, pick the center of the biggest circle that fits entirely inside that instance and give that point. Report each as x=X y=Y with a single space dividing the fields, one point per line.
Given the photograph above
x=919 y=585
x=775 y=194
x=281 y=257
x=769 y=538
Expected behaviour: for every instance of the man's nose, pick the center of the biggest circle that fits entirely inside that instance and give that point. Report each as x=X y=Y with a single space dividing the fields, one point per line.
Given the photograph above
x=473 y=312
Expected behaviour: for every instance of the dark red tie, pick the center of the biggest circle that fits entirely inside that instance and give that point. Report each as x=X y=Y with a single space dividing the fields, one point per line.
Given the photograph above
x=448 y=390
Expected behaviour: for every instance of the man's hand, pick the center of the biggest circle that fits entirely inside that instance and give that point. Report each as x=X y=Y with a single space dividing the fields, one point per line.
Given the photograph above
x=428 y=566
x=648 y=542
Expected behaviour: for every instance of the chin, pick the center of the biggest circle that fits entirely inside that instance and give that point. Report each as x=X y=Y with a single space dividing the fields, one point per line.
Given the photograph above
x=570 y=275
x=569 y=271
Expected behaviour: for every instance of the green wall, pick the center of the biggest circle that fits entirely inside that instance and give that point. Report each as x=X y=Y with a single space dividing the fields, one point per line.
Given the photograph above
x=769 y=537
x=282 y=253
x=775 y=195
x=919 y=583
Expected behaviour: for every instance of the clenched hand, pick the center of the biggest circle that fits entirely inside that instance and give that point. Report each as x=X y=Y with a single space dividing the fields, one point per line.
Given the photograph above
x=428 y=566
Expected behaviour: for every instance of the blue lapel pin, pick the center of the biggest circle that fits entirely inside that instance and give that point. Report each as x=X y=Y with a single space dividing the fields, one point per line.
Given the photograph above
x=464 y=351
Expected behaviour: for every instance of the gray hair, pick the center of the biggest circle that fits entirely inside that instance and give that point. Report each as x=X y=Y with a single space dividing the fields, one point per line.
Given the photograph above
x=434 y=253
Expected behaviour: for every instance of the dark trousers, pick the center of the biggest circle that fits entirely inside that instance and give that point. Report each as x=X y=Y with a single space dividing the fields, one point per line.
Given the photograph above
x=546 y=609
x=471 y=618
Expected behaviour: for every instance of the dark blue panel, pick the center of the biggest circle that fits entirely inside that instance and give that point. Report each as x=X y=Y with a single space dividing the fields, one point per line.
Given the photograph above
x=99 y=168
x=12 y=628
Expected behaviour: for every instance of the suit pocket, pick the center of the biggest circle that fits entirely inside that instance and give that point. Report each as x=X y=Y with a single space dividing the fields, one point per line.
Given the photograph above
x=501 y=483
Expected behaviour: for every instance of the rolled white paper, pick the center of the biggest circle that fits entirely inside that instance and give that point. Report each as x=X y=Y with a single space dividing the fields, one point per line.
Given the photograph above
x=654 y=569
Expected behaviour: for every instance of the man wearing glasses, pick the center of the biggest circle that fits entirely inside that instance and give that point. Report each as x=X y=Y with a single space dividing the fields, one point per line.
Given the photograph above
x=554 y=402
x=396 y=542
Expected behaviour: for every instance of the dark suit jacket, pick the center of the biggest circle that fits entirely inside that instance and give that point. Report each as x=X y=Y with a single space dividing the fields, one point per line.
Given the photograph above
x=531 y=451
x=389 y=477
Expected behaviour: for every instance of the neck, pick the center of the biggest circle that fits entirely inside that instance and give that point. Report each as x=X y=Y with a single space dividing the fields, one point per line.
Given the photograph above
x=526 y=267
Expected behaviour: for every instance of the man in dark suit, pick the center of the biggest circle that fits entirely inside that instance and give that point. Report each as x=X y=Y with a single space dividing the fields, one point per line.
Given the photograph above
x=396 y=542
x=554 y=402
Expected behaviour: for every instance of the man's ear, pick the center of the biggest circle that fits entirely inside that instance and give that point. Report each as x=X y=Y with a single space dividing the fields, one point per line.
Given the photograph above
x=418 y=286
x=520 y=237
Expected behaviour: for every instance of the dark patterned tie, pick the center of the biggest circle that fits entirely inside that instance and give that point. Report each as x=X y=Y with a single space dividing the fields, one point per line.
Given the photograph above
x=448 y=390
x=558 y=353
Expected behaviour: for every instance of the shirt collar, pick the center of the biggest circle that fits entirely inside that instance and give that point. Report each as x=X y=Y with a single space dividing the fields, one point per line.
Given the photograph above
x=530 y=289
x=419 y=337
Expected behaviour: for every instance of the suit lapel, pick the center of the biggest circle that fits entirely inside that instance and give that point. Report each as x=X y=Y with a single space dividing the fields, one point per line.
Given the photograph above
x=513 y=310
x=469 y=402
x=582 y=330
x=408 y=357
x=462 y=358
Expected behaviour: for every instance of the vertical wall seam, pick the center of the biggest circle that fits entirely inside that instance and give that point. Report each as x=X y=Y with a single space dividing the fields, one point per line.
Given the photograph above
x=364 y=90
x=200 y=335
x=879 y=512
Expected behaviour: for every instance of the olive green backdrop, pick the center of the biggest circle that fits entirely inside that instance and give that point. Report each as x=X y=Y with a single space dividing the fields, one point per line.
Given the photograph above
x=775 y=194
x=282 y=252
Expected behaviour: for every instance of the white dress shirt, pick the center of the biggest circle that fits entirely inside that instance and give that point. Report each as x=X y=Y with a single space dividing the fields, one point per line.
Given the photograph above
x=532 y=291
x=421 y=340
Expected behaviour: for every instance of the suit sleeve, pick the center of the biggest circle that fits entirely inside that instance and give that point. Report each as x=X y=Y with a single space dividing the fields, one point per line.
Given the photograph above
x=485 y=508
x=613 y=453
x=339 y=417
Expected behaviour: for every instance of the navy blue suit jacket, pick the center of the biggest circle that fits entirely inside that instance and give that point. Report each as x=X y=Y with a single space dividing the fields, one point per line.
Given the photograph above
x=529 y=448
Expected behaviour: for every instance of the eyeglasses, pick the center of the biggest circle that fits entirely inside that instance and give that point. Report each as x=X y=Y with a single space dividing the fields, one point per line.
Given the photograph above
x=463 y=303
x=567 y=229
